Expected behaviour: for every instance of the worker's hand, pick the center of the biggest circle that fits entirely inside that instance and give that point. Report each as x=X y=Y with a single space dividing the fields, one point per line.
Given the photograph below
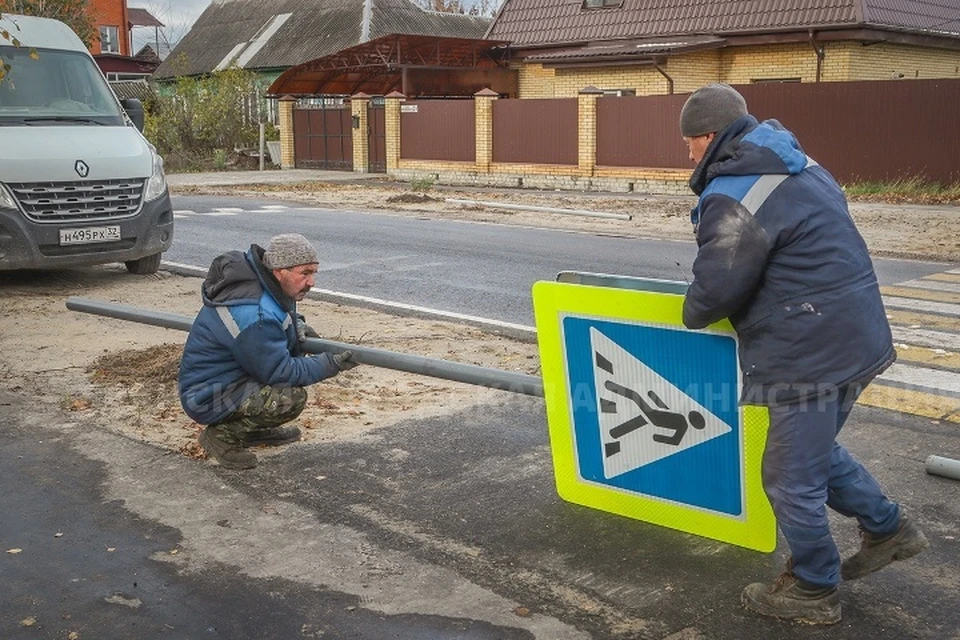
x=304 y=330
x=344 y=360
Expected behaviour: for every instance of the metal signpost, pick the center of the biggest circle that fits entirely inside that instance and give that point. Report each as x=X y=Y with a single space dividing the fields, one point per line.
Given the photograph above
x=644 y=415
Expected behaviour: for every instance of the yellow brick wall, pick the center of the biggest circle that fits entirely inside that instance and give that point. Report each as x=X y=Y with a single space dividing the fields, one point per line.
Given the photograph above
x=888 y=61
x=535 y=81
x=843 y=61
x=743 y=65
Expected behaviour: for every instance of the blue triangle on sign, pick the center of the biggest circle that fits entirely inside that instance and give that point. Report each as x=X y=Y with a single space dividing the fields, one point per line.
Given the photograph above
x=655 y=411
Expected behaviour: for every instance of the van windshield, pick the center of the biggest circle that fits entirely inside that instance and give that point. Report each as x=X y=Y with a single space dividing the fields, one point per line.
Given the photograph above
x=59 y=87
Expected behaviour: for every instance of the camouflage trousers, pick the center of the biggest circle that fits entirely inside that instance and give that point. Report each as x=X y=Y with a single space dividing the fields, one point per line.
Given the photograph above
x=270 y=407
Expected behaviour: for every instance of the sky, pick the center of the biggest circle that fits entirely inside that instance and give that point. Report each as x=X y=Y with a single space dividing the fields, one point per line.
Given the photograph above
x=177 y=15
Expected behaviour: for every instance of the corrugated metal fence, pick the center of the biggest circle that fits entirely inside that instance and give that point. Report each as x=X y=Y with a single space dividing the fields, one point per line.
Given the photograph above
x=438 y=130
x=535 y=131
x=859 y=131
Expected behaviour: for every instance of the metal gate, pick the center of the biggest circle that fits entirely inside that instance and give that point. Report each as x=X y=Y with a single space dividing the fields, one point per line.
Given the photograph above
x=323 y=135
x=377 y=136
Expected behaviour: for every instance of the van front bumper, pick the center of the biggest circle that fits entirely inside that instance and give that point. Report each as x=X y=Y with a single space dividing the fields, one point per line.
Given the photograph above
x=25 y=244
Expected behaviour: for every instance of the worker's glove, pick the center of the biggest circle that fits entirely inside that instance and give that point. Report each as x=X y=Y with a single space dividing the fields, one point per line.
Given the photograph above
x=344 y=360
x=304 y=330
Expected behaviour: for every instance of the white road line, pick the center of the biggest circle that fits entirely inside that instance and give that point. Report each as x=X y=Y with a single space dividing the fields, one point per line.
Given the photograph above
x=185 y=212
x=948 y=381
x=228 y=210
x=439 y=313
x=218 y=214
x=932 y=285
x=426 y=310
x=275 y=207
x=910 y=304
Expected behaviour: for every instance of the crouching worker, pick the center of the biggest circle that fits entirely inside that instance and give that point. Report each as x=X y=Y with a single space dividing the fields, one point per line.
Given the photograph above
x=242 y=372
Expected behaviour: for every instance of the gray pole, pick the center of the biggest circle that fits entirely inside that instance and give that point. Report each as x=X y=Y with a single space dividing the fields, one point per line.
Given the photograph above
x=946 y=467
x=471 y=374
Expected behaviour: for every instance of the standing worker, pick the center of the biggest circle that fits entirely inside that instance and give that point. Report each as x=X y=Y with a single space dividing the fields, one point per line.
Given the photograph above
x=243 y=373
x=780 y=256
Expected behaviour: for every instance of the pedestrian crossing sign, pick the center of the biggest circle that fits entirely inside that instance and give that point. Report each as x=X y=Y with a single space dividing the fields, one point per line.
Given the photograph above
x=644 y=414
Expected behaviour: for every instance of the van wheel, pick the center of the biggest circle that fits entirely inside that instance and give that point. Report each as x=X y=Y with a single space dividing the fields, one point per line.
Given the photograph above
x=144 y=266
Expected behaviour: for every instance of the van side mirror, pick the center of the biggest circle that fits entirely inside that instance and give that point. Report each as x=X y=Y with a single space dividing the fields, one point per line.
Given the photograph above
x=134 y=109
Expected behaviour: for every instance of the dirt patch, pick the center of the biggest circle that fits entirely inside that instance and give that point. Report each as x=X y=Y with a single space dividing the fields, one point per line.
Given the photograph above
x=411 y=198
x=892 y=230
x=122 y=375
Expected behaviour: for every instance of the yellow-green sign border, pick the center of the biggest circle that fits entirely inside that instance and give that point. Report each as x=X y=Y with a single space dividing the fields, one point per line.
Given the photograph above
x=755 y=529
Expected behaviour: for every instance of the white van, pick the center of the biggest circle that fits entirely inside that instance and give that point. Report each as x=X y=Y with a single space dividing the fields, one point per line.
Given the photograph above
x=79 y=184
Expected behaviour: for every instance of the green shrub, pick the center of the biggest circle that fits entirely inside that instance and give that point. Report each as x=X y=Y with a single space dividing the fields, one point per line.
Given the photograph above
x=195 y=123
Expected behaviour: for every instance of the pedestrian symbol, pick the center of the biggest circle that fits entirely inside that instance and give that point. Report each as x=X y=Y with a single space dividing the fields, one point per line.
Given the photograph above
x=644 y=414
x=642 y=426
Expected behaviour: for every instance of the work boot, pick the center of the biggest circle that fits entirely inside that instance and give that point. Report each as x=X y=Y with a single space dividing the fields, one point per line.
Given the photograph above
x=877 y=552
x=271 y=436
x=790 y=599
x=230 y=456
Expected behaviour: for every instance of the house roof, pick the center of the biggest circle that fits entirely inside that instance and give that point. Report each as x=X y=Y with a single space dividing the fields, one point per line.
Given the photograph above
x=536 y=23
x=378 y=66
x=278 y=34
x=142 y=18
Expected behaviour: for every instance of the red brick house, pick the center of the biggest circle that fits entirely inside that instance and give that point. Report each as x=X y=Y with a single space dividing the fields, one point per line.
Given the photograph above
x=110 y=17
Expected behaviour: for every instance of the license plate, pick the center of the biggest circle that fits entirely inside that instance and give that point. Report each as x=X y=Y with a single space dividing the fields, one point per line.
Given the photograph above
x=89 y=235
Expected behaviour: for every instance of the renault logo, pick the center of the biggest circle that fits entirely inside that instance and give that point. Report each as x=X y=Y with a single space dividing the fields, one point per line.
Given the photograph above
x=81 y=168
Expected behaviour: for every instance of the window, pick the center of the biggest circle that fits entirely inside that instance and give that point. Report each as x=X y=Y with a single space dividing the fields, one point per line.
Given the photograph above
x=109 y=40
x=601 y=4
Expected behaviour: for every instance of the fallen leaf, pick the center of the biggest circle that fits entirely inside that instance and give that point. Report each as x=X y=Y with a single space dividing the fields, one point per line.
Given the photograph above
x=28 y=622
x=523 y=612
x=111 y=549
x=14 y=551
x=58 y=534
x=73 y=635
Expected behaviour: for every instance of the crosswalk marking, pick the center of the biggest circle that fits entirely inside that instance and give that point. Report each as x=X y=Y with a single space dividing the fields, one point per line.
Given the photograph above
x=924 y=317
x=935 y=358
x=921 y=294
x=933 y=285
x=922 y=305
x=944 y=277
x=926 y=338
x=913 y=402
x=913 y=377
x=917 y=320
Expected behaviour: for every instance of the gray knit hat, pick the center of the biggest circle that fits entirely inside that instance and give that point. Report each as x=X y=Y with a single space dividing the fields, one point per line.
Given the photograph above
x=289 y=250
x=710 y=109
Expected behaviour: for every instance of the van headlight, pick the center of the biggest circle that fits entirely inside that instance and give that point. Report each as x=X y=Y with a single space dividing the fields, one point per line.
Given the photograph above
x=157 y=184
x=6 y=200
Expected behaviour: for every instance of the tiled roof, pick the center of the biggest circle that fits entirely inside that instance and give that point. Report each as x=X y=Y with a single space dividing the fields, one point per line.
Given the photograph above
x=546 y=22
x=278 y=34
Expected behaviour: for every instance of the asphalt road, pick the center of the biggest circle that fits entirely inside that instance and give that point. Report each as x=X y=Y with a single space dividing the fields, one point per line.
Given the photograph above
x=484 y=270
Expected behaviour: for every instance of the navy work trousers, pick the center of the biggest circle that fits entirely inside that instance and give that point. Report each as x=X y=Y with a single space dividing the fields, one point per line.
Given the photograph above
x=805 y=470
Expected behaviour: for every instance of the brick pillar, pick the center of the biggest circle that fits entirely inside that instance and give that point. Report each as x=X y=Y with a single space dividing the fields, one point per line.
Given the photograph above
x=392 y=128
x=483 y=115
x=361 y=129
x=587 y=138
x=287 y=158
